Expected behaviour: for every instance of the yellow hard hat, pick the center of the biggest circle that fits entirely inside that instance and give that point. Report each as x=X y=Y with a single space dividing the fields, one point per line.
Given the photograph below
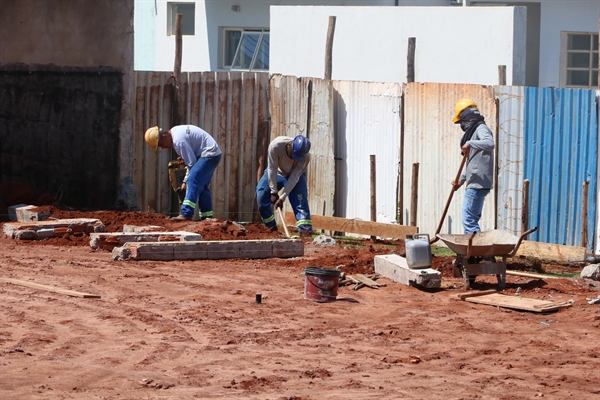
x=151 y=137
x=460 y=107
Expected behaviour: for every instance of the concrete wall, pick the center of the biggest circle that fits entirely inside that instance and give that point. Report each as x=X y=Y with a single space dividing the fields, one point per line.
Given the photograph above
x=371 y=43
x=155 y=50
x=78 y=56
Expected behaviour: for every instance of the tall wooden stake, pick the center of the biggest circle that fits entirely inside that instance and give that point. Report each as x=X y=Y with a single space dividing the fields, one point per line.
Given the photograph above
x=584 y=214
x=329 y=48
x=410 y=60
x=525 y=209
x=373 y=193
x=175 y=117
x=501 y=75
x=414 y=194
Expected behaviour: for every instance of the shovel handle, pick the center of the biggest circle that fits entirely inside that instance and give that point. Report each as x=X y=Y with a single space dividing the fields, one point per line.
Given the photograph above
x=287 y=233
x=439 y=228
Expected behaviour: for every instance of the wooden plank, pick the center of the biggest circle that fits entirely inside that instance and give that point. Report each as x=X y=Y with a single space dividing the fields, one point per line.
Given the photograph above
x=528 y=275
x=551 y=251
x=517 y=302
x=463 y=296
x=356 y=226
x=54 y=289
x=369 y=282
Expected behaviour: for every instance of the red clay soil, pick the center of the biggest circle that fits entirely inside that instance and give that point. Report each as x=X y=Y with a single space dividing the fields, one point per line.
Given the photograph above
x=192 y=329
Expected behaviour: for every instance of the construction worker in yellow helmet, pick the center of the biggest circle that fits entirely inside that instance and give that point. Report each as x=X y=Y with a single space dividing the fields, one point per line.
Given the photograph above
x=477 y=143
x=201 y=155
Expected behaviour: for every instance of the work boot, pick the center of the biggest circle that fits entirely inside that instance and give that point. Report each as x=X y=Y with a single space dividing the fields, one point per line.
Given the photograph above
x=181 y=218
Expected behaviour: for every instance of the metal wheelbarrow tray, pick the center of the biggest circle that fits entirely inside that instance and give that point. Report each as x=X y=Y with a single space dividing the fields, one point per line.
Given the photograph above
x=470 y=248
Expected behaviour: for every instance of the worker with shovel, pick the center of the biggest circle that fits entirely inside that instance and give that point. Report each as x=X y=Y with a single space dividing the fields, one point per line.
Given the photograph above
x=286 y=169
x=200 y=154
x=477 y=146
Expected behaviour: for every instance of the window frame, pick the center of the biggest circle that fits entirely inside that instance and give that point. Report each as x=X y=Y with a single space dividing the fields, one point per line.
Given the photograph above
x=171 y=18
x=243 y=31
x=564 y=59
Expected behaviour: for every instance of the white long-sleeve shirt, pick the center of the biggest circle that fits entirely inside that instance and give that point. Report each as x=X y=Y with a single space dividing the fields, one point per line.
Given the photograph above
x=280 y=163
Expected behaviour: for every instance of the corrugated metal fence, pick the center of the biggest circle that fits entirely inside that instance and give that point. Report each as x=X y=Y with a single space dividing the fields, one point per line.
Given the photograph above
x=549 y=136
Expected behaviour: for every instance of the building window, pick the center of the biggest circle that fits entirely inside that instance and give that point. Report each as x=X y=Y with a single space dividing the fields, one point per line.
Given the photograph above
x=580 y=60
x=246 y=50
x=188 y=11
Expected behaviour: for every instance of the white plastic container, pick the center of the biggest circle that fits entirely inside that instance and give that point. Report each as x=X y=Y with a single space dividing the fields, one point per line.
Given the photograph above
x=418 y=251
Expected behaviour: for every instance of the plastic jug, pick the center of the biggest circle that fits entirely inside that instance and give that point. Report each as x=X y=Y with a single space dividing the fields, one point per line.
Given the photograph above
x=418 y=251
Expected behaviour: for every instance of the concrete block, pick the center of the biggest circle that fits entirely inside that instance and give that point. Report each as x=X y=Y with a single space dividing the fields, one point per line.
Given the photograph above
x=151 y=251
x=209 y=250
x=591 y=272
x=285 y=248
x=395 y=268
x=108 y=241
x=59 y=227
x=12 y=211
x=139 y=229
x=26 y=214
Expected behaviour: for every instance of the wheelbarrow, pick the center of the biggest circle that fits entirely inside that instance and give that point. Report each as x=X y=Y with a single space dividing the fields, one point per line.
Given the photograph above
x=476 y=253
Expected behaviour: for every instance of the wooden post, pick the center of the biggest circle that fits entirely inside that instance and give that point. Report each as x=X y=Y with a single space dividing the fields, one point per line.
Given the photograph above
x=584 y=214
x=501 y=75
x=410 y=62
x=175 y=109
x=175 y=117
x=373 y=193
x=329 y=48
x=400 y=184
x=525 y=209
x=414 y=194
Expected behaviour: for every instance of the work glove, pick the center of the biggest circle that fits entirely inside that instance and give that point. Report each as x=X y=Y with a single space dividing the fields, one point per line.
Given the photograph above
x=279 y=203
x=274 y=198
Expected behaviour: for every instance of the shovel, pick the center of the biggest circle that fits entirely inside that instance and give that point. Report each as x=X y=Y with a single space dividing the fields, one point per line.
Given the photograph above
x=287 y=233
x=439 y=228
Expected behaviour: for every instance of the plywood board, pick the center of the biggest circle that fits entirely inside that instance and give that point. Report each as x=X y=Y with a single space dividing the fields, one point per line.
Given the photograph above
x=516 y=302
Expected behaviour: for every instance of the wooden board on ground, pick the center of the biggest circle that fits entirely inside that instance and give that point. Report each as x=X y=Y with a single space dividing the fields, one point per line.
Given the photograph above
x=49 y=288
x=530 y=275
x=370 y=228
x=551 y=251
x=515 y=302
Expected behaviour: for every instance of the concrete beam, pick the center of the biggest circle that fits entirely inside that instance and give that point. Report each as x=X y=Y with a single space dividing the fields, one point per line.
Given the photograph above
x=108 y=241
x=209 y=250
x=47 y=229
x=396 y=269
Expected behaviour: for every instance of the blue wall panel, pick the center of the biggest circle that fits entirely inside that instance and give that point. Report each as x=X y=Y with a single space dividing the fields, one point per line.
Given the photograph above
x=560 y=153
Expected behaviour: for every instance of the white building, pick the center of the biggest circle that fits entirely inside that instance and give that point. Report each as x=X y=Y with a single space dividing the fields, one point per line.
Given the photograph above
x=548 y=43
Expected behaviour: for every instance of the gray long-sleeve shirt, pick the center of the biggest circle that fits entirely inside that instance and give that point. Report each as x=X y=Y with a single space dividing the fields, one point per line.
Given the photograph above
x=191 y=143
x=280 y=163
x=479 y=172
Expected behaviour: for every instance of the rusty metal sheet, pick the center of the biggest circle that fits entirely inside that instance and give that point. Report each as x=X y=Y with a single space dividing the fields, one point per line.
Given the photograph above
x=292 y=102
x=432 y=140
x=367 y=123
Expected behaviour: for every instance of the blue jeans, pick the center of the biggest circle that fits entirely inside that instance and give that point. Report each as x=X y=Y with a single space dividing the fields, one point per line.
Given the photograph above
x=472 y=207
x=197 y=188
x=298 y=199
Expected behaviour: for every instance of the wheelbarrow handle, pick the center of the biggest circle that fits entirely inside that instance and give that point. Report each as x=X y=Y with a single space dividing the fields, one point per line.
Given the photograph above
x=514 y=251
